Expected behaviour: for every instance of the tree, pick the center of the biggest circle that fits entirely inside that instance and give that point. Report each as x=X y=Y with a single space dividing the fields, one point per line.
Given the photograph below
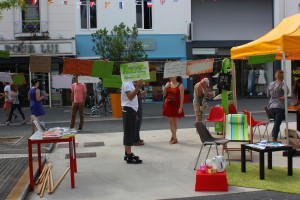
x=9 y=4
x=120 y=45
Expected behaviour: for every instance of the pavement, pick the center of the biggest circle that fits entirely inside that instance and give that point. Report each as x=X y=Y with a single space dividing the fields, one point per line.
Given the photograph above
x=166 y=172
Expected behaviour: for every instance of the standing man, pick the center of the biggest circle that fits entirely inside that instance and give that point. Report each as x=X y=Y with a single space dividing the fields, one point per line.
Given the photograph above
x=78 y=97
x=129 y=102
x=7 y=101
x=199 y=101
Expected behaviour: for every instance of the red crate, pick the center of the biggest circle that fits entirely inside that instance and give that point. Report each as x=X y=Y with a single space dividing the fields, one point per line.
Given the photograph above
x=211 y=182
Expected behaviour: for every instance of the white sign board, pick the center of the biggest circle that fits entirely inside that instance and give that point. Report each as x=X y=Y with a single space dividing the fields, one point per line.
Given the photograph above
x=5 y=77
x=88 y=79
x=62 y=81
x=173 y=69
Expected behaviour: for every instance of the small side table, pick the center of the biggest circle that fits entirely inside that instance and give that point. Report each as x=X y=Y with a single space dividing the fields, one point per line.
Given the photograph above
x=36 y=138
x=211 y=182
x=269 y=150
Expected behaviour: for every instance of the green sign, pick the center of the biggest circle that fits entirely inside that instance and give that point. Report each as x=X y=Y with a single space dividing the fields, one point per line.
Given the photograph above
x=152 y=77
x=134 y=71
x=18 y=79
x=102 y=69
x=261 y=59
x=4 y=54
x=112 y=82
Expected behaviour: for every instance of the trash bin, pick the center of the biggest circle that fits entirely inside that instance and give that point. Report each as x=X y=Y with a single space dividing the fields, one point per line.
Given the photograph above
x=116 y=105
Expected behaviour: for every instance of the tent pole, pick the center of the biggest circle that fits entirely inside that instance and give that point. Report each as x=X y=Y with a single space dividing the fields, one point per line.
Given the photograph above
x=285 y=98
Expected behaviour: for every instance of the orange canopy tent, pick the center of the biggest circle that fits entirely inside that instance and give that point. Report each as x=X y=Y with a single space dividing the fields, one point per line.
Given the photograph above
x=283 y=40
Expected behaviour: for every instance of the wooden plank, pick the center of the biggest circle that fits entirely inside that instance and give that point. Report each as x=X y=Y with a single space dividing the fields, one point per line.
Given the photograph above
x=18 y=190
x=61 y=178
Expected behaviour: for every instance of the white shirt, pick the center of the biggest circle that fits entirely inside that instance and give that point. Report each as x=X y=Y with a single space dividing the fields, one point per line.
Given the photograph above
x=128 y=87
x=8 y=90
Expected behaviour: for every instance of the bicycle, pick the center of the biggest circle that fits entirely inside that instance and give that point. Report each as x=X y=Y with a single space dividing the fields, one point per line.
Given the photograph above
x=104 y=106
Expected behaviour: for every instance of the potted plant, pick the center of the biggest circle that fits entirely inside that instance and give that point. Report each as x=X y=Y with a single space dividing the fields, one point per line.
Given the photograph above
x=186 y=98
x=121 y=46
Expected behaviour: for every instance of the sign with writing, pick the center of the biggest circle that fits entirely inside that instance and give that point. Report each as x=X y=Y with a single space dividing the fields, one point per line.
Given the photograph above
x=134 y=71
x=102 y=69
x=77 y=66
x=173 y=69
x=40 y=64
x=5 y=77
x=88 y=79
x=224 y=81
x=4 y=54
x=112 y=82
x=261 y=59
x=152 y=77
x=200 y=66
x=19 y=79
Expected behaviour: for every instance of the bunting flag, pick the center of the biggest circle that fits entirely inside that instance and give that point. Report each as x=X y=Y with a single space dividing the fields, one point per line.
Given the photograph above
x=34 y=2
x=149 y=4
x=21 y=2
x=65 y=2
x=92 y=3
x=49 y=1
x=106 y=3
x=121 y=5
x=162 y=2
x=79 y=4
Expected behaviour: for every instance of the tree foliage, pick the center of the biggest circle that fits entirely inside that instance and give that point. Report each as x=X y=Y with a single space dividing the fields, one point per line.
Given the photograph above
x=9 y=4
x=120 y=44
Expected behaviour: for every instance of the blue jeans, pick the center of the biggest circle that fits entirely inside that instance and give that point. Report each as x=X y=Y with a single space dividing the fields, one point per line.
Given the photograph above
x=278 y=114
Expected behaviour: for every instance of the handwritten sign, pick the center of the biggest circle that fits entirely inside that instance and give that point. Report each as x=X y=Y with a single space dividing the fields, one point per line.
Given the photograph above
x=134 y=71
x=152 y=77
x=88 y=79
x=200 y=66
x=112 y=82
x=224 y=81
x=40 y=64
x=173 y=69
x=102 y=69
x=77 y=66
x=5 y=77
x=4 y=54
x=19 y=79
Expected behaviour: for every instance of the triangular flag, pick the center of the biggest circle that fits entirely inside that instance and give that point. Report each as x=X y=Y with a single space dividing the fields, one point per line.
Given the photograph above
x=149 y=4
x=106 y=3
x=49 y=1
x=121 y=5
x=65 y=2
x=92 y=3
x=34 y=2
x=79 y=4
x=162 y=2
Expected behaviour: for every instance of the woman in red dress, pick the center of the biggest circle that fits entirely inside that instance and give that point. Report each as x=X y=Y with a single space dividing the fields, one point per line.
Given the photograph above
x=173 y=105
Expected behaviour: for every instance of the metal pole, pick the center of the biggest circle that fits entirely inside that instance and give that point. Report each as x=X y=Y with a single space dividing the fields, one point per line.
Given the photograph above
x=49 y=89
x=285 y=97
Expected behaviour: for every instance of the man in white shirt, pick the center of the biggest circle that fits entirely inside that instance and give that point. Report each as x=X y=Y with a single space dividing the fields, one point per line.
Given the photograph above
x=8 y=99
x=129 y=102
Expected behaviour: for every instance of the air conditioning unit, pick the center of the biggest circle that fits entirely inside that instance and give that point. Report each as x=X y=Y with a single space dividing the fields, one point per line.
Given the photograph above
x=189 y=32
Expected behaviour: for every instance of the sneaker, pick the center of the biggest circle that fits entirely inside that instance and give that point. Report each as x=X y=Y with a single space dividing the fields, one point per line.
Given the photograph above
x=79 y=130
x=139 y=143
x=132 y=159
x=7 y=123
x=126 y=157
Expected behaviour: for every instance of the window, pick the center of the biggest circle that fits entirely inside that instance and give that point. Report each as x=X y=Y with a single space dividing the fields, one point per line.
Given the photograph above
x=88 y=14
x=31 y=17
x=144 y=14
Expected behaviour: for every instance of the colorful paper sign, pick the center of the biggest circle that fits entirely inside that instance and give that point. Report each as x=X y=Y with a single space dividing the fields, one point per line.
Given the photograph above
x=261 y=59
x=152 y=77
x=40 y=64
x=5 y=77
x=19 y=79
x=200 y=66
x=134 y=71
x=106 y=3
x=102 y=69
x=77 y=66
x=112 y=82
x=173 y=69
x=4 y=54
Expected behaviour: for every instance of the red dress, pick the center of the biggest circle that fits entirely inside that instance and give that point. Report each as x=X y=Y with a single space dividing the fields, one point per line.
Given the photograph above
x=172 y=103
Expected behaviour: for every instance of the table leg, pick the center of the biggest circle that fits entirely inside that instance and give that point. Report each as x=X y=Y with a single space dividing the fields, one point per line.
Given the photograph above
x=30 y=165
x=75 y=159
x=270 y=160
x=39 y=157
x=262 y=165
x=290 y=161
x=71 y=153
x=298 y=120
x=243 y=159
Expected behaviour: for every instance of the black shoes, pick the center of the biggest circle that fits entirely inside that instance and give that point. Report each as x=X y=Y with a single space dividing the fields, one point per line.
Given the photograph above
x=79 y=130
x=132 y=159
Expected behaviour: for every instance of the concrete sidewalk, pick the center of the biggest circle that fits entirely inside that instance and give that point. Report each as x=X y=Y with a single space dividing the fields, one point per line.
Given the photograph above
x=166 y=172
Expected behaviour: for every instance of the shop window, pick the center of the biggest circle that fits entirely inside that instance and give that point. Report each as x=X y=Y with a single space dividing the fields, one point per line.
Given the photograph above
x=31 y=17
x=144 y=14
x=88 y=14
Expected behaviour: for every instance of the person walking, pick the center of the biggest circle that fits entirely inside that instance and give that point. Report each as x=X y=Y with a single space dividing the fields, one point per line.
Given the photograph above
x=138 y=140
x=15 y=104
x=296 y=91
x=36 y=106
x=199 y=101
x=276 y=103
x=129 y=102
x=78 y=96
x=173 y=105
x=7 y=101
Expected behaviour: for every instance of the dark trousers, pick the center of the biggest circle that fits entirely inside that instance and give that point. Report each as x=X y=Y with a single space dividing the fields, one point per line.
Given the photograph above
x=278 y=114
x=13 y=107
x=138 y=123
x=129 y=125
x=77 y=107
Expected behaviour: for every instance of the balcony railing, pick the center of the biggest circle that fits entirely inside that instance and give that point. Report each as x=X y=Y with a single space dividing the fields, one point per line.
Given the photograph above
x=31 y=28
